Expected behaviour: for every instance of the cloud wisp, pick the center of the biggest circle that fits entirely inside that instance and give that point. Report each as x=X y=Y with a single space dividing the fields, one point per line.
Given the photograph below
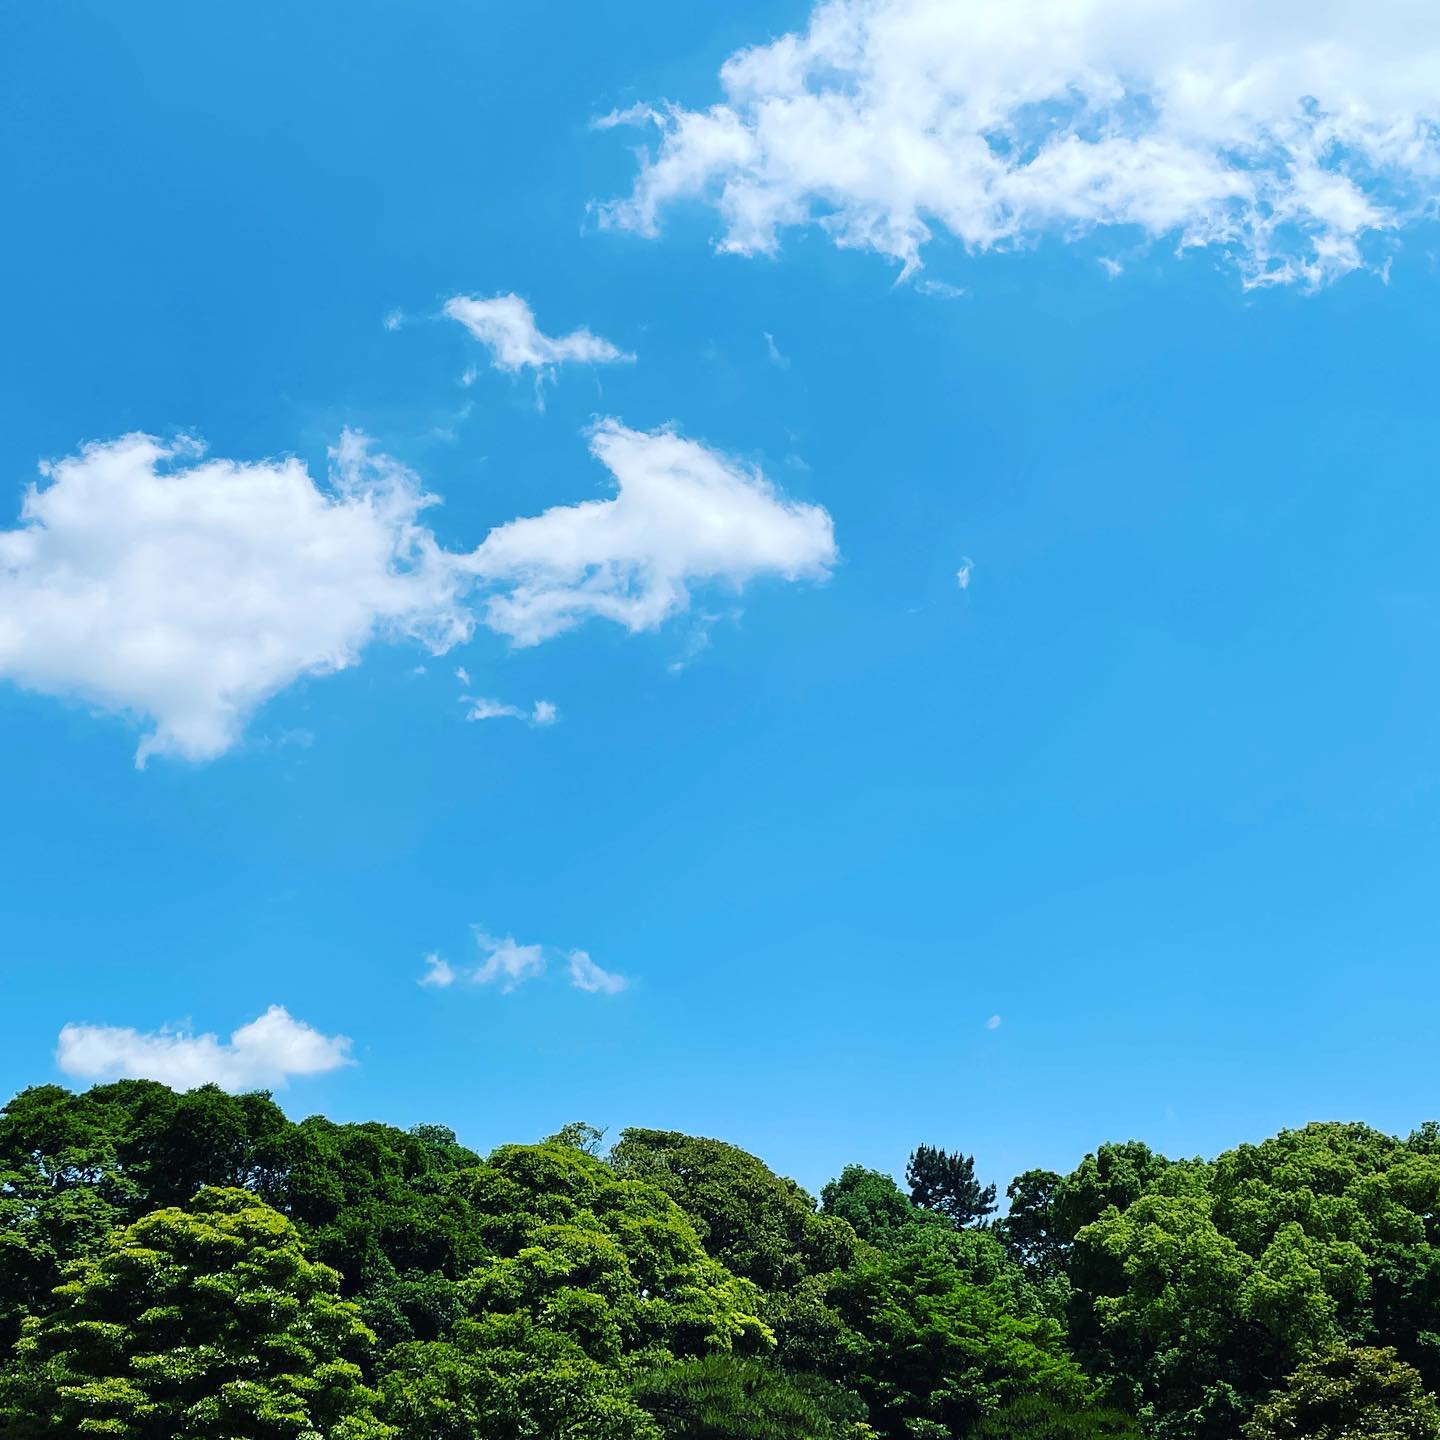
x=507 y=965
x=505 y=325
x=1289 y=138
x=149 y=581
x=541 y=713
x=586 y=975
x=267 y=1053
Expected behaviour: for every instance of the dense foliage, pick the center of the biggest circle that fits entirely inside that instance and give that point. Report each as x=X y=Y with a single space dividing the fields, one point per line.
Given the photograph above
x=197 y=1266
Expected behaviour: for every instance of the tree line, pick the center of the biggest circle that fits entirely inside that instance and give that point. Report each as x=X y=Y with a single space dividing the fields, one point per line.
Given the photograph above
x=197 y=1266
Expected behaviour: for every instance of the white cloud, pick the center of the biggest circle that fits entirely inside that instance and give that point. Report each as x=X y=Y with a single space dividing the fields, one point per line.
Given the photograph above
x=506 y=325
x=149 y=581
x=541 y=713
x=462 y=674
x=267 y=1052
x=586 y=975
x=993 y=1023
x=1113 y=268
x=439 y=974
x=963 y=574
x=1286 y=135
x=506 y=963
x=394 y=320
x=683 y=515
x=772 y=351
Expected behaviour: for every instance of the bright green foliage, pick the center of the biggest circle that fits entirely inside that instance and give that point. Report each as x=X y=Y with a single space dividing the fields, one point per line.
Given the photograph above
x=1218 y=1279
x=1348 y=1394
x=725 y=1397
x=206 y=1323
x=610 y=1261
x=507 y=1379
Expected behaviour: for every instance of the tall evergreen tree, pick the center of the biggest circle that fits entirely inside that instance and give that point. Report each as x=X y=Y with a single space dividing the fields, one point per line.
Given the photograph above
x=944 y=1181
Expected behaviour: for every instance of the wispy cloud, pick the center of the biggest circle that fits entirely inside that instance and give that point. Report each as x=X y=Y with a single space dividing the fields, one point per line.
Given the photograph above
x=586 y=975
x=963 y=574
x=505 y=325
x=541 y=713
x=507 y=965
x=439 y=974
x=1291 y=138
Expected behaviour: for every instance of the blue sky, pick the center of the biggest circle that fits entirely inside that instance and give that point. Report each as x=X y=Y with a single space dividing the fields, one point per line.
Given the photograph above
x=1156 y=788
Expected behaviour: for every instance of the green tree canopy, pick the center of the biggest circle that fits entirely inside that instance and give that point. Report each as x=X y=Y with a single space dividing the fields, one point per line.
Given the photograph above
x=753 y=1221
x=203 y=1323
x=1349 y=1394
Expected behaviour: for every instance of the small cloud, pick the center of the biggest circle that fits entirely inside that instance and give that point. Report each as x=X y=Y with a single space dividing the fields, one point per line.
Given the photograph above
x=394 y=320
x=462 y=674
x=266 y=1053
x=505 y=325
x=773 y=351
x=586 y=975
x=1111 y=267
x=939 y=288
x=468 y=376
x=439 y=974
x=506 y=963
x=993 y=1023
x=963 y=574
x=483 y=709
x=544 y=713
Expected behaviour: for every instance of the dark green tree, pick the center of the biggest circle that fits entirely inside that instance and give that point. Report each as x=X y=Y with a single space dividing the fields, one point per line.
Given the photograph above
x=933 y=1354
x=728 y=1397
x=1028 y=1229
x=755 y=1222
x=944 y=1181
x=1035 y=1417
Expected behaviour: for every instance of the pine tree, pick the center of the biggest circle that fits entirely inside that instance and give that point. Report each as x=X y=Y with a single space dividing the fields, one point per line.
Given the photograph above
x=944 y=1181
